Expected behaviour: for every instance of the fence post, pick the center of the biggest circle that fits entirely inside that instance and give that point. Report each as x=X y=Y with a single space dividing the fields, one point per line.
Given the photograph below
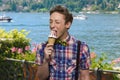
x=98 y=74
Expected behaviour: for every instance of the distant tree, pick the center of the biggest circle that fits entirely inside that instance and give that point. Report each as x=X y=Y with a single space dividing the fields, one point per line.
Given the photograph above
x=36 y=6
x=0 y=2
x=73 y=5
x=24 y=4
x=13 y=6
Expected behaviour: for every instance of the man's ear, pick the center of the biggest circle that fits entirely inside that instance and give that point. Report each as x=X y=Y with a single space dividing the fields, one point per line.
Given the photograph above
x=68 y=24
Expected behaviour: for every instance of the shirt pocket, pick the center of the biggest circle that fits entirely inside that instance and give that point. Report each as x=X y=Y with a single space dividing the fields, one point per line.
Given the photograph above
x=71 y=65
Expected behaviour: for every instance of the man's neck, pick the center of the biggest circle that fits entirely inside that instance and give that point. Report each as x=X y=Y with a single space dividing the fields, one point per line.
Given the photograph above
x=63 y=38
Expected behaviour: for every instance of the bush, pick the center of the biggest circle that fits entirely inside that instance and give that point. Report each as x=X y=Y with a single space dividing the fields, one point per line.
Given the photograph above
x=15 y=44
x=101 y=63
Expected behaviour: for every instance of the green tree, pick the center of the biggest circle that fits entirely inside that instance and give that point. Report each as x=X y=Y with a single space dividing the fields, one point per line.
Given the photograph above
x=13 y=6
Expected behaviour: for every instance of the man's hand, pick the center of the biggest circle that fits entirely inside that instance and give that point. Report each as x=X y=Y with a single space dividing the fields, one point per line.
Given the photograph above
x=48 y=52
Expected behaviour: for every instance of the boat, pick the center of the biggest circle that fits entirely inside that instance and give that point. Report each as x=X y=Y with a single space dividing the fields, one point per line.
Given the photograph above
x=81 y=17
x=5 y=18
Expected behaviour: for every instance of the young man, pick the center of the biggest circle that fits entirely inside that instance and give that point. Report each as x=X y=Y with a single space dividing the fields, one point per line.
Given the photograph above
x=63 y=63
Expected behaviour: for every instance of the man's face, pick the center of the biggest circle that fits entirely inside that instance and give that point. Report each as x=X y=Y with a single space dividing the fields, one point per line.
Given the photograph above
x=57 y=24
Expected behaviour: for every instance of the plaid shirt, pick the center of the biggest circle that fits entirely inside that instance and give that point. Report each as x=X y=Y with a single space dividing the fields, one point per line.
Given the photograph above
x=62 y=66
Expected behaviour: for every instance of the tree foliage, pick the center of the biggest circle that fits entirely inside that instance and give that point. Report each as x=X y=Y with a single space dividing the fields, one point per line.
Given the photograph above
x=73 y=5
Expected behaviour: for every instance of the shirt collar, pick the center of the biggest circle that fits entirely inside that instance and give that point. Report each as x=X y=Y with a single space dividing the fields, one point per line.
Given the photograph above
x=64 y=42
x=67 y=38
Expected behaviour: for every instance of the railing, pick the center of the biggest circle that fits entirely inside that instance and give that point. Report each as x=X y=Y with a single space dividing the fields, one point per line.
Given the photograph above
x=13 y=69
x=100 y=74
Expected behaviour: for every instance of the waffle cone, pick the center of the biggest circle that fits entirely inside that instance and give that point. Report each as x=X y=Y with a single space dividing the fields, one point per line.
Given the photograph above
x=51 y=40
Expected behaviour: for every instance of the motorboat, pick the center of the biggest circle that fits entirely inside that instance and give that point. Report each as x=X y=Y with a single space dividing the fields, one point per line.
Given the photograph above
x=81 y=17
x=4 y=18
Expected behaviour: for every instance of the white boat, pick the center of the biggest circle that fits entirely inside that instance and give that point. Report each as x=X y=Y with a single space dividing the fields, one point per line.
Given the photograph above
x=4 y=18
x=80 y=16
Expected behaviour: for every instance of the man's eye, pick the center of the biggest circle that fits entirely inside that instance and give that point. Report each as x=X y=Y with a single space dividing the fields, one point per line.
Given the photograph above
x=57 y=22
x=50 y=22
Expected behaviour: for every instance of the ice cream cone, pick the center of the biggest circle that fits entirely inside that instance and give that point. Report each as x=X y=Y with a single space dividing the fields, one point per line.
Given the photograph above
x=51 y=41
x=52 y=38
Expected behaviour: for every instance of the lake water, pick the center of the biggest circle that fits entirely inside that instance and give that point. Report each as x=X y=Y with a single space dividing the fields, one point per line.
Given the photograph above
x=100 y=31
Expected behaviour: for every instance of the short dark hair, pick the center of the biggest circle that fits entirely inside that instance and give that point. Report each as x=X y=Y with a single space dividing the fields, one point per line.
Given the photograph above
x=62 y=10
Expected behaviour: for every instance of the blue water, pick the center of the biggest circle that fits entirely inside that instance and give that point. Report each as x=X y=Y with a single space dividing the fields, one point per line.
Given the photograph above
x=100 y=31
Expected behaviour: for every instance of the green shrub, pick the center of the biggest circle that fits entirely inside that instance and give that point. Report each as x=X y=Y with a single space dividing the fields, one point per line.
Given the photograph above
x=101 y=62
x=15 y=44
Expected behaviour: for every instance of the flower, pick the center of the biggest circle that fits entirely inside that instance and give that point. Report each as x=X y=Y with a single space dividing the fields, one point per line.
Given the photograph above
x=20 y=50
x=34 y=50
x=27 y=47
x=13 y=49
x=115 y=61
x=93 y=55
x=36 y=46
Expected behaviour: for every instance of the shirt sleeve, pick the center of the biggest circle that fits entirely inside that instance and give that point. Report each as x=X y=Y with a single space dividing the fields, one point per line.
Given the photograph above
x=39 y=54
x=84 y=56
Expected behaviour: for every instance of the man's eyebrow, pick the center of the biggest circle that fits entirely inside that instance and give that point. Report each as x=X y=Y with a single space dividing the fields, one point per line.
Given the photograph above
x=55 y=20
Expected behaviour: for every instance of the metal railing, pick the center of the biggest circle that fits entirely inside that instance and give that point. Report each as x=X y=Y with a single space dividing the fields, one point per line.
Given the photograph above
x=14 y=69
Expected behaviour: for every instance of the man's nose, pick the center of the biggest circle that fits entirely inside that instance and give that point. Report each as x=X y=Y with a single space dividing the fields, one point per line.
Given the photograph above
x=53 y=25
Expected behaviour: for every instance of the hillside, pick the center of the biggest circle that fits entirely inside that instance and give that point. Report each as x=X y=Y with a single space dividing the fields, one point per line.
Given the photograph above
x=45 y=5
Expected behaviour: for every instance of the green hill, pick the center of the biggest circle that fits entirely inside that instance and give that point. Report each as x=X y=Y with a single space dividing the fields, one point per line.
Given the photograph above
x=45 y=5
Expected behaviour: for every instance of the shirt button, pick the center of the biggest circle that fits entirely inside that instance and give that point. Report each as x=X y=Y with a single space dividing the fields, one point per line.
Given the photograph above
x=69 y=64
x=60 y=62
x=61 y=71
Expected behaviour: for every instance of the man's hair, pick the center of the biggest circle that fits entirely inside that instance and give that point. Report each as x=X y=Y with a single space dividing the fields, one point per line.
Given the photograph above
x=62 y=10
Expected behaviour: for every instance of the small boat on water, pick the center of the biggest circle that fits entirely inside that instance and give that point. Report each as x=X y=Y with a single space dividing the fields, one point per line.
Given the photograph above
x=4 y=18
x=81 y=17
